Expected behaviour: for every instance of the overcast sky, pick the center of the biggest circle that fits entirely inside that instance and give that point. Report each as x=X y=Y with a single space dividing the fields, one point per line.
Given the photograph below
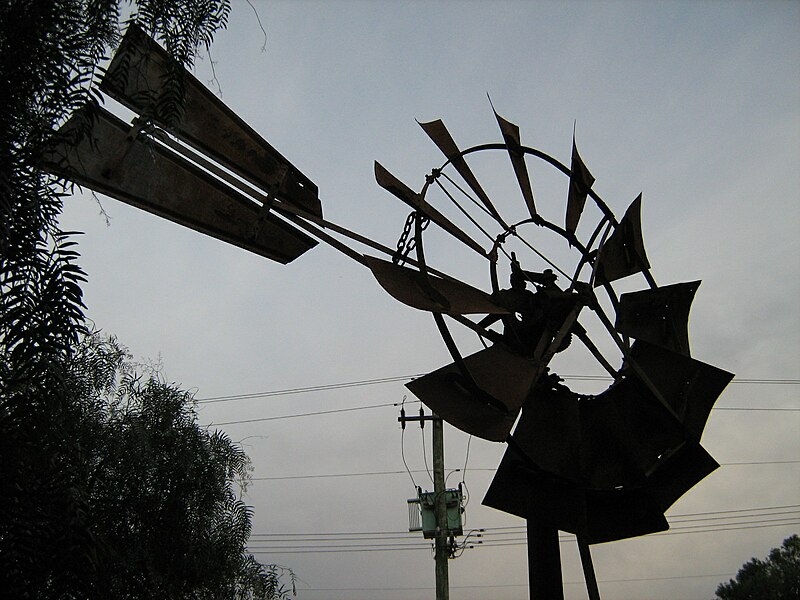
x=694 y=104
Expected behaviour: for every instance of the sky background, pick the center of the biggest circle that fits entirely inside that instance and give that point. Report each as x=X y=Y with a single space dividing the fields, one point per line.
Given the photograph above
x=694 y=104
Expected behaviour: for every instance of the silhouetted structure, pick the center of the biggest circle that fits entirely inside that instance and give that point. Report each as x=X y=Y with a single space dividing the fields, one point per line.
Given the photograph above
x=604 y=466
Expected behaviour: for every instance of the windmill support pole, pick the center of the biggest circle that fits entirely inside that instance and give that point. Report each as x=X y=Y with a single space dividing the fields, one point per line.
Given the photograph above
x=544 y=563
x=588 y=570
x=441 y=550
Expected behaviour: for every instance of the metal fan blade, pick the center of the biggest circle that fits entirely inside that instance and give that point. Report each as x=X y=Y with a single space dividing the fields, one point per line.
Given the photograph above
x=113 y=162
x=623 y=252
x=440 y=136
x=638 y=510
x=431 y=293
x=624 y=432
x=679 y=473
x=688 y=386
x=521 y=488
x=549 y=432
x=502 y=378
x=658 y=316
x=620 y=514
x=580 y=182
x=136 y=77
x=401 y=191
x=511 y=137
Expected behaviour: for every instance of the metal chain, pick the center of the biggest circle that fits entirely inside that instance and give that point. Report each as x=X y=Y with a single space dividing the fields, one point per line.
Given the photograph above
x=406 y=243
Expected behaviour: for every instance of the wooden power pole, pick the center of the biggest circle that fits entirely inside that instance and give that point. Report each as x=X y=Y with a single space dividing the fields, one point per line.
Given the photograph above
x=441 y=549
x=441 y=539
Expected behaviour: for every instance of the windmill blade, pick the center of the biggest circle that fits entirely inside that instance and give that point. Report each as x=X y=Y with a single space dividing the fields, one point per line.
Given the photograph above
x=549 y=431
x=511 y=138
x=580 y=182
x=136 y=77
x=527 y=485
x=624 y=432
x=440 y=136
x=623 y=252
x=401 y=191
x=688 y=386
x=639 y=510
x=503 y=381
x=680 y=473
x=109 y=160
x=520 y=488
x=572 y=465
x=614 y=515
x=431 y=293
x=658 y=316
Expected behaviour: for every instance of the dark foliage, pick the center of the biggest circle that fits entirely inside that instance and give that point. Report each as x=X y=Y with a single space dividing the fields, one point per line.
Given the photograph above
x=776 y=578
x=162 y=493
x=148 y=500
x=92 y=504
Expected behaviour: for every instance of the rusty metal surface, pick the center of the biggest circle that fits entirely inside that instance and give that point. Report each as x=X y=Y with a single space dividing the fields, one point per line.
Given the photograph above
x=136 y=78
x=150 y=177
x=580 y=182
x=501 y=377
x=511 y=137
x=623 y=252
x=658 y=316
x=413 y=288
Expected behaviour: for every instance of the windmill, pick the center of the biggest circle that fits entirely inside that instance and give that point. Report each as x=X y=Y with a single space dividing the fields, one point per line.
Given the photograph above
x=604 y=466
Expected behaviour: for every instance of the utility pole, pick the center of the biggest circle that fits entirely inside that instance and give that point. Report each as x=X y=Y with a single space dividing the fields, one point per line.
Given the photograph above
x=441 y=539
x=442 y=531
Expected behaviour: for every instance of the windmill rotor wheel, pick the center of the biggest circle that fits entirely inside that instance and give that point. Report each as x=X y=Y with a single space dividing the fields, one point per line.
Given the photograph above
x=604 y=466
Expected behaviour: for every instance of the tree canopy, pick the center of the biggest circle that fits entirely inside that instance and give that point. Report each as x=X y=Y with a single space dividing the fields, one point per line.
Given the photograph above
x=108 y=486
x=154 y=506
x=775 y=578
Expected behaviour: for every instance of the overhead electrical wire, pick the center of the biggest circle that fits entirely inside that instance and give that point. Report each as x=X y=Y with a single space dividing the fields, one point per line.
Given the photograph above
x=382 y=380
x=378 y=473
x=315 y=548
x=373 y=406
x=515 y=585
x=305 y=390
x=403 y=444
x=677 y=516
x=390 y=541
x=308 y=414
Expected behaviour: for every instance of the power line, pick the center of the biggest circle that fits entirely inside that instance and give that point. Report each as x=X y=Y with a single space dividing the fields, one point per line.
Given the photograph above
x=396 y=378
x=317 y=549
x=308 y=414
x=379 y=473
x=735 y=516
x=373 y=406
x=514 y=585
x=756 y=408
x=737 y=510
x=493 y=537
x=307 y=389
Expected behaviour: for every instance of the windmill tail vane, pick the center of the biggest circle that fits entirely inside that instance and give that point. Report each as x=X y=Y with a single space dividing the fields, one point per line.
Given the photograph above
x=604 y=466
